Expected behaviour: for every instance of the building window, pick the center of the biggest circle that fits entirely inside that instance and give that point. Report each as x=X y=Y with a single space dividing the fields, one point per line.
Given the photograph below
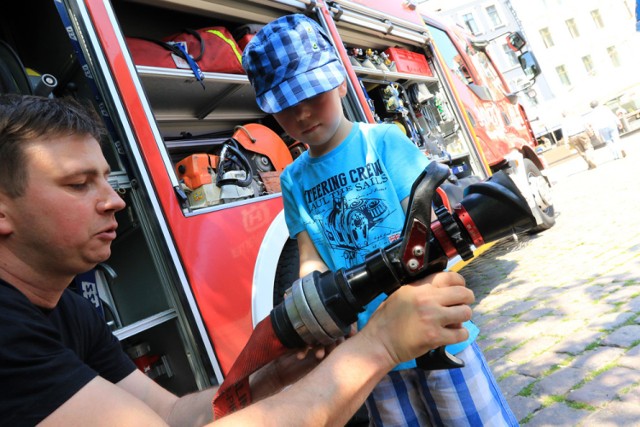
x=573 y=28
x=613 y=56
x=512 y=58
x=546 y=37
x=563 y=75
x=588 y=65
x=470 y=23
x=495 y=19
x=597 y=18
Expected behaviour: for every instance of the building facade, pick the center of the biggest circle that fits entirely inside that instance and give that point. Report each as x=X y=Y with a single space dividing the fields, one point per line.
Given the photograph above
x=587 y=49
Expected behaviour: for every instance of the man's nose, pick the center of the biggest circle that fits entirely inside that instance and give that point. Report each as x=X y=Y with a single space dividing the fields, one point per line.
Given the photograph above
x=111 y=200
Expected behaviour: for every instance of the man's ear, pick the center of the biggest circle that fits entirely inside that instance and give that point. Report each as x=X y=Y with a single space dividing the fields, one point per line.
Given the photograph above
x=5 y=222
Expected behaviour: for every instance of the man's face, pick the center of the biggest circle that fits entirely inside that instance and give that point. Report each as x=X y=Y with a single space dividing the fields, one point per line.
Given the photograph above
x=64 y=223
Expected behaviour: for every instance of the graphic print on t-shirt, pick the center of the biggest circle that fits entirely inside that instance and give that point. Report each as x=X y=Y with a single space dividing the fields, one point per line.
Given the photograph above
x=351 y=208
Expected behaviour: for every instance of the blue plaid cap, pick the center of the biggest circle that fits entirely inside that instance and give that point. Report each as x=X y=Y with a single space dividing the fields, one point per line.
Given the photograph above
x=289 y=60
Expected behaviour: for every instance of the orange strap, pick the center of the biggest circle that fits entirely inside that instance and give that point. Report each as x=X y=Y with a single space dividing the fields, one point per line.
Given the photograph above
x=231 y=42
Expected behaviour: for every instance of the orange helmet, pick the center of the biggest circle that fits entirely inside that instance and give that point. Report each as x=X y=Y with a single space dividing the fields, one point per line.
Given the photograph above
x=262 y=140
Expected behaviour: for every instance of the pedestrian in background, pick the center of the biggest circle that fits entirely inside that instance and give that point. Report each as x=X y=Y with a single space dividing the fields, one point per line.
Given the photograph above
x=623 y=123
x=574 y=133
x=605 y=123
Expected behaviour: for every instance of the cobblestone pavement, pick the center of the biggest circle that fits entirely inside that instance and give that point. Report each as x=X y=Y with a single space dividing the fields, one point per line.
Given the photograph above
x=559 y=312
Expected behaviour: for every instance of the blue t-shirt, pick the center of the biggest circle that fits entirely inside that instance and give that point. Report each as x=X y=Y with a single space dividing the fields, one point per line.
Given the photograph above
x=349 y=200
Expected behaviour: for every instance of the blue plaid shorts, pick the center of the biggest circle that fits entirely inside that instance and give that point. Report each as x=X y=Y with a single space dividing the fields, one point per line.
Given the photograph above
x=469 y=396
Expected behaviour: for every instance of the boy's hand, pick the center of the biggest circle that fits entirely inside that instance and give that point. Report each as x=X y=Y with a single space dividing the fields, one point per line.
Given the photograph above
x=419 y=317
x=319 y=351
x=284 y=371
x=289 y=368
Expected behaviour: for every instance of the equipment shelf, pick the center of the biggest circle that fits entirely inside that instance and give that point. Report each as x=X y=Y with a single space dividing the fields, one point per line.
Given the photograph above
x=176 y=95
x=144 y=324
x=393 y=76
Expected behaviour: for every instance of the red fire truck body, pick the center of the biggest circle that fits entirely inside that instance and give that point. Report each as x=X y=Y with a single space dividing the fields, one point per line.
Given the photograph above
x=195 y=267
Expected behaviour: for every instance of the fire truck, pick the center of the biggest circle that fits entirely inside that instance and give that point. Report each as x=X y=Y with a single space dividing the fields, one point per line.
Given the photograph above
x=203 y=250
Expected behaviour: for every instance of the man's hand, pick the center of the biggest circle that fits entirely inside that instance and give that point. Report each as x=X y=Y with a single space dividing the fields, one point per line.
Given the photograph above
x=422 y=316
x=288 y=369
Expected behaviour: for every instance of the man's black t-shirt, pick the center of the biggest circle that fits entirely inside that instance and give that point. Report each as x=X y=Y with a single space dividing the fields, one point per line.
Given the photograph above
x=46 y=356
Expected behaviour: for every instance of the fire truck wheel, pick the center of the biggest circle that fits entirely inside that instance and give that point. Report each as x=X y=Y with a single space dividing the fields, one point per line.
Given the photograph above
x=287 y=271
x=541 y=190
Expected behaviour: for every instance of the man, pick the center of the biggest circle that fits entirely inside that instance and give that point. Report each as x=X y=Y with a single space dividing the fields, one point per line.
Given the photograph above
x=623 y=123
x=605 y=124
x=574 y=133
x=60 y=364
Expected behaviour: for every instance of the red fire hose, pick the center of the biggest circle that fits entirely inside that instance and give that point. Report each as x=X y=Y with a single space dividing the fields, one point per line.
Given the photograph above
x=262 y=348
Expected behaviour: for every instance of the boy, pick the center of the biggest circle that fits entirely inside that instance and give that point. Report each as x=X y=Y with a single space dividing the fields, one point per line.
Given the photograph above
x=345 y=197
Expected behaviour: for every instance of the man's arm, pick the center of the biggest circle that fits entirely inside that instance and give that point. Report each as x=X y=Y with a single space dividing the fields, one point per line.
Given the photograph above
x=190 y=410
x=413 y=320
x=136 y=400
x=143 y=402
x=101 y=403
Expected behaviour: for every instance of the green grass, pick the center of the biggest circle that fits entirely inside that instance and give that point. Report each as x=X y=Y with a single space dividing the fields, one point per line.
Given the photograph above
x=592 y=346
x=552 y=400
x=591 y=375
x=506 y=375
x=528 y=390
x=580 y=405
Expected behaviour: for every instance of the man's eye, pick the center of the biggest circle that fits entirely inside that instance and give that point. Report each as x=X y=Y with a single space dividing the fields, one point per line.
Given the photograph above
x=78 y=185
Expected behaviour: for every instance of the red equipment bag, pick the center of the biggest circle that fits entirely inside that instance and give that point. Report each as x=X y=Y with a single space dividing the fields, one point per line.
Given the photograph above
x=212 y=48
x=245 y=33
x=149 y=52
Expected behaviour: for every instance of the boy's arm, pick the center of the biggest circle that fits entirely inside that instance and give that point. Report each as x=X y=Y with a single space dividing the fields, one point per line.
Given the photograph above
x=310 y=259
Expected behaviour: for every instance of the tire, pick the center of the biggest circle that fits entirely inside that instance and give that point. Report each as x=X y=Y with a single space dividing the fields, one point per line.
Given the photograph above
x=541 y=190
x=287 y=271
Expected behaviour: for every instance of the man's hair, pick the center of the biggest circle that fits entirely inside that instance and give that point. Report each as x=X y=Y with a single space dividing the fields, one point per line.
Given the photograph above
x=26 y=118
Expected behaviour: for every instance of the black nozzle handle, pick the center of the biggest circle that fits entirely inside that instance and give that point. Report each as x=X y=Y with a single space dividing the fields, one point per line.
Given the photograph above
x=438 y=358
x=416 y=231
x=422 y=193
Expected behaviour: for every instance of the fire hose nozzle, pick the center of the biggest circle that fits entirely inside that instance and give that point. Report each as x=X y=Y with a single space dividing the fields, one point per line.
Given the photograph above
x=320 y=307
